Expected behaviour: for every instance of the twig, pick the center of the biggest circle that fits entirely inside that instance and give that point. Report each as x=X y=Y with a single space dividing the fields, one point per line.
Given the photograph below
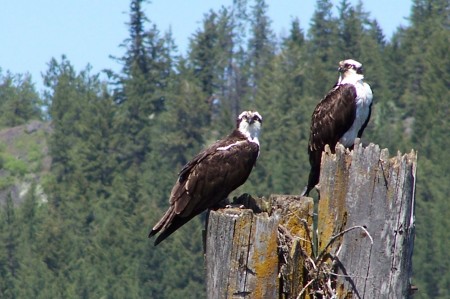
x=333 y=238
x=304 y=288
x=347 y=276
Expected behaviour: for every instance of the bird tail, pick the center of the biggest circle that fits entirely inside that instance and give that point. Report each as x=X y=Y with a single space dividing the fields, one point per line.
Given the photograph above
x=177 y=222
x=168 y=224
x=314 y=173
x=313 y=179
x=163 y=222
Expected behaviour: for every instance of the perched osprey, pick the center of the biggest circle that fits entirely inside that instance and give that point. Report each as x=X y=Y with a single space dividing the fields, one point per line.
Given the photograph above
x=341 y=116
x=211 y=176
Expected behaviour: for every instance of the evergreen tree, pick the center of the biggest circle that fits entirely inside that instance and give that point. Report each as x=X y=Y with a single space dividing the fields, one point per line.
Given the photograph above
x=385 y=124
x=215 y=66
x=430 y=124
x=80 y=132
x=182 y=133
x=19 y=101
x=9 y=259
x=350 y=31
x=425 y=17
x=65 y=111
x=149 y=113
x=322 y=46
x=82 y=116
x=285 y=134
x=261 y=46
x=96 y=157
x=32 y=275
x=205 y=55
x=140 y=92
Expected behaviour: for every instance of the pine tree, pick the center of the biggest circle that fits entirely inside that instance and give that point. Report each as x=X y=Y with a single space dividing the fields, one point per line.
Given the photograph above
x=205 y=55
x=81 y=112
x=140 y=87
x=96 y=157
x=182 y=131
x=9 y=258
x=213 y=61
x=81 y=133
x=19 y=101
x=322 y=54
x=286 y=122
x=65 y=111
x=350 y=31
x=261 y=45
x=430 y=124
x=33 y=276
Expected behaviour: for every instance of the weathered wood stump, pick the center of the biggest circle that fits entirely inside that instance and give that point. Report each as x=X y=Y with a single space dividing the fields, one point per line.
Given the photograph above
x=245 y=262
x=374 y=194
x=365 y=235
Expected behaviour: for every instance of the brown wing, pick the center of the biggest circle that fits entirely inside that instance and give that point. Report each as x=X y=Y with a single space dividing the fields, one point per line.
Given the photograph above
x=213 y=177
x=333 y=116
x=205 y=181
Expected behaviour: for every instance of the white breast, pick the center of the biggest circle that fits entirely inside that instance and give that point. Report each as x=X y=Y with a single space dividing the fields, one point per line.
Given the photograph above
x=363 y=101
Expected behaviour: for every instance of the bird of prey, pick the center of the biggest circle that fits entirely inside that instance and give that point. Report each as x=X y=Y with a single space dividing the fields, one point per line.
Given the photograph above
x=212 y=175
x=341 y=116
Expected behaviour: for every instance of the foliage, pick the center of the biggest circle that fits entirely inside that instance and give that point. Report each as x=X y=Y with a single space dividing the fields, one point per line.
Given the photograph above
x=19 y=102
x=117 y=146
x=15 y=166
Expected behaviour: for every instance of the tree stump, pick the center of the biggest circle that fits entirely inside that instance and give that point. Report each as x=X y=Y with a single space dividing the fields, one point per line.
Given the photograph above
x=365 y=235
x=371 y=196
x=241 y=254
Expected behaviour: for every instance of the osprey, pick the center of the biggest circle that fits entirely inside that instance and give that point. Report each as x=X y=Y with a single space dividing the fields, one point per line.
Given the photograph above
x=341 y=116
x=211 y=175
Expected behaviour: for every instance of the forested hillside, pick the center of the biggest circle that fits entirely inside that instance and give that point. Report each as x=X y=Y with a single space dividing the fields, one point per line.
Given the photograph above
x=116 y=146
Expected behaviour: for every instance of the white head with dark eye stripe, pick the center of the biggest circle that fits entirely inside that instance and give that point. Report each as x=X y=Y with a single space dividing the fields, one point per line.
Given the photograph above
x=249 y=124
x=350 y=71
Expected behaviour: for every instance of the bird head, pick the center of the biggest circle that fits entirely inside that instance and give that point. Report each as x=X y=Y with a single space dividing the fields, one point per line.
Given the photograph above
x=351 y=70
x=249 y=124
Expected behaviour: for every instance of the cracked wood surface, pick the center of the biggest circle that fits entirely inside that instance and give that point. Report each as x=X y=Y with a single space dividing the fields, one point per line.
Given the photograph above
x=367 y=188
x=241 y=254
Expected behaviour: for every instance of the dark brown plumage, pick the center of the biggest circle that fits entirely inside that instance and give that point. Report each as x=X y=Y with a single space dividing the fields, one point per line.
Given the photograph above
x=212 y=175
x=341 y=116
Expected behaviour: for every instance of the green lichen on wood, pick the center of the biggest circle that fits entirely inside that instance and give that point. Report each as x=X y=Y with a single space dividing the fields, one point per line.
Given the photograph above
x=296 y=217
x=333 y=189
x=265 y=256
x=239 y=249
x=377 y=190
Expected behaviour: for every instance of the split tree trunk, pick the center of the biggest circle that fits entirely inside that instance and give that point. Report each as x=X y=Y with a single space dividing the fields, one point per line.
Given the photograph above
x=365 y=235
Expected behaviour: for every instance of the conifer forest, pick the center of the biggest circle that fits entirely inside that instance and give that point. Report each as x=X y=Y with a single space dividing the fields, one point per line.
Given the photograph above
x=86 y=166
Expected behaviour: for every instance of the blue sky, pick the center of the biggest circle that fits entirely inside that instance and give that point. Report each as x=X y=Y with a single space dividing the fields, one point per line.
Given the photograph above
x=89 y=31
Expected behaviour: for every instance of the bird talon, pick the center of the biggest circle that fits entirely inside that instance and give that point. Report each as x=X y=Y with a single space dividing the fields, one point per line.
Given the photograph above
x=235 y=206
